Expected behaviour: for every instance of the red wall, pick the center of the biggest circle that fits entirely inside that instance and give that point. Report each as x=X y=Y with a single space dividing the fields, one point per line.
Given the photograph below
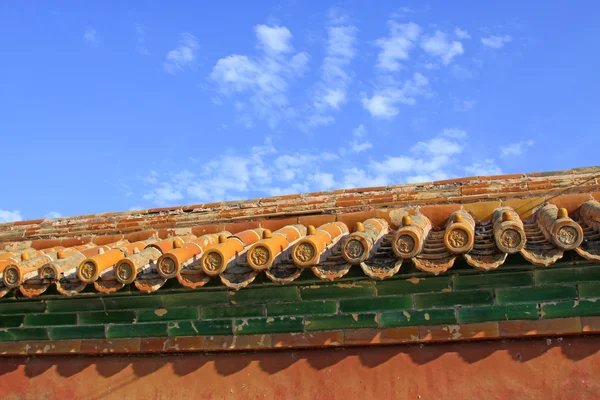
x=530 y=369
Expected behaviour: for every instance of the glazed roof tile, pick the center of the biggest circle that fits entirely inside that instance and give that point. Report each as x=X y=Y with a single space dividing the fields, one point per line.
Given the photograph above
x=428 y=226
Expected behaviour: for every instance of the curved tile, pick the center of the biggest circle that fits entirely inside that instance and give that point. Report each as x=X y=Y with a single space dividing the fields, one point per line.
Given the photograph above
x=217 y=258
x=186 y=256
x=316 y=247
x=285 y=272
x=538 y=250
x=558 y=228
x=274 y=247
x=359 y=245
x=410 y=238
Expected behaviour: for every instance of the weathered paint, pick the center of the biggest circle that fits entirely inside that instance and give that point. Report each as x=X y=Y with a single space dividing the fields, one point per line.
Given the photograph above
x=534 y=369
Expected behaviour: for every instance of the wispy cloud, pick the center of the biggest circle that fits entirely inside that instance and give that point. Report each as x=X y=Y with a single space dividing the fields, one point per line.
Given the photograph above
x=388 y=96
x=461 y=33
x=183 y=55
x=53 y=214
x=10 y=216
x=331 y=91
x=265 y=170
x=496 y=42
x=439 y=45
x=397 y=45
x=463 y=105
x=359 y=142
x=335 y=77
x=261 y=83
x=486 y=167
x=140 y=34
x=90 y=37
x=516 y=149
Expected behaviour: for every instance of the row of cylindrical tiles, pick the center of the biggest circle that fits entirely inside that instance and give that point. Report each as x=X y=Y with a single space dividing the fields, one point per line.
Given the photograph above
x=194 y=260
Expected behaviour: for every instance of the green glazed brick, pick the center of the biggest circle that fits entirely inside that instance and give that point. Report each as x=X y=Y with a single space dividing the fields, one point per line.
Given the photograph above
x=136 y=330
x=77 y=332
x=413 y=285
x=50 y=319
x=492 y=280
x=168 y=314
x=110 y=317
x=535 y=294
x=563 y=309
x=384 y=303
x=191 y=299
x=589 y=290
x=567 y=275
x=391 y=319
x=469 y=315
x=75 y=304
x=342 y=321
x=252 y=326
x=22 y=307
x=218 y=312
x=265 y=295
x=337 y=291
x=205 y=328
x=451 y=299
x=10 y=321
x=302 y=308
x=133 y=302
x=23 y=334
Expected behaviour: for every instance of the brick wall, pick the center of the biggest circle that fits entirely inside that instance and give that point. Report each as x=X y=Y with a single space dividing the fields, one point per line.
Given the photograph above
x=412 y=306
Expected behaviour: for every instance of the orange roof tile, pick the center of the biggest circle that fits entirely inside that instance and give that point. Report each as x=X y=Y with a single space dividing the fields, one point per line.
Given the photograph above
x=484 y=220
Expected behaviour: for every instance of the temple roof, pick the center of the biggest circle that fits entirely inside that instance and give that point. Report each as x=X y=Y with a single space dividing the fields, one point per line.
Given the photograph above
x=481 y=221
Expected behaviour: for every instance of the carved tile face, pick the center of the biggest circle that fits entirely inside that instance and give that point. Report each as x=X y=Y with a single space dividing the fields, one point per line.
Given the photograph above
x=510 y=238
x=567 y=235
x=406 y=244
x=11 y=276
x=354 y=248
x=167 y=266
x=260 y=255
x=125 y=271
x=87 y=270
x=458 y=238
x=305 y=252
x=213 y=261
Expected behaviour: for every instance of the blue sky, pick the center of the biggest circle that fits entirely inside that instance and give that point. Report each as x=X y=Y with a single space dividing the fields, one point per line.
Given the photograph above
x=111 y=106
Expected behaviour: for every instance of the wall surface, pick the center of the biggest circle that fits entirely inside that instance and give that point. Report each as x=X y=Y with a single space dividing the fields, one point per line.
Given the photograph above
x=557 y=368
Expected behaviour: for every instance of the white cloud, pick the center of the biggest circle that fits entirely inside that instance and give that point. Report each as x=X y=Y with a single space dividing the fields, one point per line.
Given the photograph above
x=438 y=45
x=483 y=168
x=266 y=171
x=454 y=133
x=496 y=42
x=359 y=142
x=164 y=194
x=91 y=37
x=340 y=52
x=437 y=147
x=461 y=33
x=384 y=102
x=183 y=55
x=323 y=180
x=140 y=34
x=274 y=38
x=261 y=83
x=331 y=91
x=10 y=216
x=463 y=105
x=53 y=214
x=461 y=73
x=396 y=47
x=516 y=149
